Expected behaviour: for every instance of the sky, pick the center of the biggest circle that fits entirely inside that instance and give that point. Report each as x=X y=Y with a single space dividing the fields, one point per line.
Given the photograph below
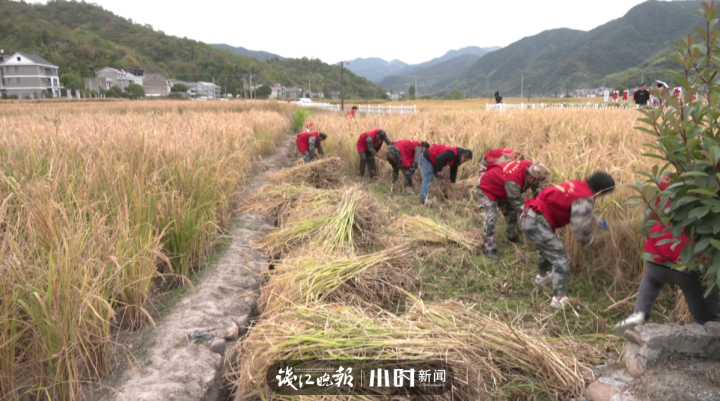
x=411 y=31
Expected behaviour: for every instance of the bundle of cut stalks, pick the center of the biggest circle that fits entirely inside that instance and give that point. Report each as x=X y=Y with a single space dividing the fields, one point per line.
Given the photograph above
x=288 y=203
x=489 y=357
x=345 y=227
x=417 y=228
x=322 y=173
x=376 y=278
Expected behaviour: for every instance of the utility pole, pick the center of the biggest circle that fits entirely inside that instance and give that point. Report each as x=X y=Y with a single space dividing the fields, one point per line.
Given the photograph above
x=342 y=84
x=416 y=91
x=244 y=86
x=529 y=89
x=522 y=82
x=309 y=88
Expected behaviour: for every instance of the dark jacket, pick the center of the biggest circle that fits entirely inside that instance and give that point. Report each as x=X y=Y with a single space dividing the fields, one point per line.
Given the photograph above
x=498 y=99
x=445 y=158
x=641 y=97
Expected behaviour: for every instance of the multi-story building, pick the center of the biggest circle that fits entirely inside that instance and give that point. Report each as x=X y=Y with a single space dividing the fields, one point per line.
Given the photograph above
x=30 y=76
x=95 y=84
x=156 y=85
x=121 y=79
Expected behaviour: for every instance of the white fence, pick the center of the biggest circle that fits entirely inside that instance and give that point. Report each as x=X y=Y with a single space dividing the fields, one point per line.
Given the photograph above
x=523 y=106
x=388 y=109
x=322 y=106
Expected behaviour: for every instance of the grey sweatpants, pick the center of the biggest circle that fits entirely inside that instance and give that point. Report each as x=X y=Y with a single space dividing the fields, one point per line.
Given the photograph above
x=703 y=309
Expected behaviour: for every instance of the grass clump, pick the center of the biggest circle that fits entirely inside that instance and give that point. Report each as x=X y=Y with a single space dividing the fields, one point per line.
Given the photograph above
x=423 y=229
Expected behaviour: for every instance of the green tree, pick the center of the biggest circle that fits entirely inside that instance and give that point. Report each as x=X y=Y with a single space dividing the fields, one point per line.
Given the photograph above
x=115 y=91
x=411 y=91
x=455 y=95
x=135 y=91
x=179 y=87
x=620 y=88
x=263 y=92
x=686 y=138
x=72 y=80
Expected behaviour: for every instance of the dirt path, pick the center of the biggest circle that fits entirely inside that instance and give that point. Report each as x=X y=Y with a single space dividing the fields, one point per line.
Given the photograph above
x=170 y=366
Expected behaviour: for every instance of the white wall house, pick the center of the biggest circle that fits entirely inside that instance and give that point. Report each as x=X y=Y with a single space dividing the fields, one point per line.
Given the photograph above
x=122 y=79
x=28 y=75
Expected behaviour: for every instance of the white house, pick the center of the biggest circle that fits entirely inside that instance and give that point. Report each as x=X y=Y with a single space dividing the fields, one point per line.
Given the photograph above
x=29 y=75
x=121 y=79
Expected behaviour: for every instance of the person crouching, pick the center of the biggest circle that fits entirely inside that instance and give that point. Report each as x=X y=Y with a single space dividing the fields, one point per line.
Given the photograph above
x=308 y=142
x=405 y=156
x=502 y=186
x=571 y=203
x=434 y=160
x=368 y=145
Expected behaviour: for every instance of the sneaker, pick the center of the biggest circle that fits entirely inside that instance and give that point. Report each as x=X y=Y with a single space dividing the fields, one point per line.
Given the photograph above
x=516 y=240
x=392 y=187
x=630 y=322
x=540 y=280
x=558 y=303
x=410 y=191
x=492 y=255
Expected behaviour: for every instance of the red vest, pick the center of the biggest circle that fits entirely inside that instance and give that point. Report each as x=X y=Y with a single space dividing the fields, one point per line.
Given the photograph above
x=437 y=150
x=351 y=113
x=493 y=182
x=407 y=151
x=362 y=141
x=303 y=141
x=493 y=155
x=663 y=253
x=554 y=202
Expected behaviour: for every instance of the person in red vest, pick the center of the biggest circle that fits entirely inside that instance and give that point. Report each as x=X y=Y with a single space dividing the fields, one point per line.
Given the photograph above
x=502 y=186
x=658 y=273
x=368 y=145
x=497 y=156
x=352 y=112
x=405 y=156
x=308 y=142
x=435 y=159
x=571 y=203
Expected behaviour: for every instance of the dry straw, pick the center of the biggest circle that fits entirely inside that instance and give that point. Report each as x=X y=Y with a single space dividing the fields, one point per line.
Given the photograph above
x=322 y=173
x=490 y=357
x=423 y=229
x=379 y=278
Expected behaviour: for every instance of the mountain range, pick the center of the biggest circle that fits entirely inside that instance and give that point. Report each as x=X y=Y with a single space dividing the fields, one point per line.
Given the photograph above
x=82 y=38
x=376 y=69
x=620 y=52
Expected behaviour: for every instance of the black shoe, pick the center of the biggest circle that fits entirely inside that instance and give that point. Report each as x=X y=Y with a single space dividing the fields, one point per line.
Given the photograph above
x=492 y=255
x=516 y=240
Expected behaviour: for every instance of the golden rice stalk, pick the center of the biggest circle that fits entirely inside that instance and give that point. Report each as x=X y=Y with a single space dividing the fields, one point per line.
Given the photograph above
x=490 y=357
x=349 y=225
x=375 y=278
x=418 y=228
x=322 y=173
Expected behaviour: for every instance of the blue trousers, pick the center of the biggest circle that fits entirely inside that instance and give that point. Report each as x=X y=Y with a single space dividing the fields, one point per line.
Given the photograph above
x=427 y=172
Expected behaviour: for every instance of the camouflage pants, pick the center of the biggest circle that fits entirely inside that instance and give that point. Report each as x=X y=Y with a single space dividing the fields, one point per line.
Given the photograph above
x=395 y=159
x=552 y=255
x=306 y=156
x=490 y=209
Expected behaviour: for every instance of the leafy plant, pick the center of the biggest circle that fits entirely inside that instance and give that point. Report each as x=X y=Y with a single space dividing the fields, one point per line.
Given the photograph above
x=299 y=117
x=687 y=140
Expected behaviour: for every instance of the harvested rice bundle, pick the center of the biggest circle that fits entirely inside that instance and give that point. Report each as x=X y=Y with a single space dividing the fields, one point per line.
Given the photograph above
x=334 y=331
x=374 y=278
x=350 y=225
x=490 y=358
x=323 y=173
x=418 y=228
x=524 y=359
x=283 y=201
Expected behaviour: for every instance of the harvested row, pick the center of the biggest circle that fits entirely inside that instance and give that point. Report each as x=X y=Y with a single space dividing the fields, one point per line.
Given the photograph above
x=334 y=297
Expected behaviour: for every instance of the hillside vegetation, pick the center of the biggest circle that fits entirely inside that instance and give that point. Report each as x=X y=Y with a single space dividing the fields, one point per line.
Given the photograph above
x=616 y=53
x=81 y=38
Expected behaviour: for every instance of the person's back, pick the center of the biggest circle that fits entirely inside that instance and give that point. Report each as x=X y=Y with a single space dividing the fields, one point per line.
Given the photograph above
x=498 y=98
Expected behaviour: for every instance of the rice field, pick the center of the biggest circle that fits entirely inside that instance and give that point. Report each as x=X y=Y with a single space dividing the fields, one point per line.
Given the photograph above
x=100 y=200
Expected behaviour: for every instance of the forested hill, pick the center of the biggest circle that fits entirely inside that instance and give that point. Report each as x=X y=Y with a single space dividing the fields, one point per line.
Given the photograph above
x=81 y=38
x=616 y=53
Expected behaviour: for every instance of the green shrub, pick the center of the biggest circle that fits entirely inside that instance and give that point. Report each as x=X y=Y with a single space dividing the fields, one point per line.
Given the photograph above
x=686 y=139
x=299 y=117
